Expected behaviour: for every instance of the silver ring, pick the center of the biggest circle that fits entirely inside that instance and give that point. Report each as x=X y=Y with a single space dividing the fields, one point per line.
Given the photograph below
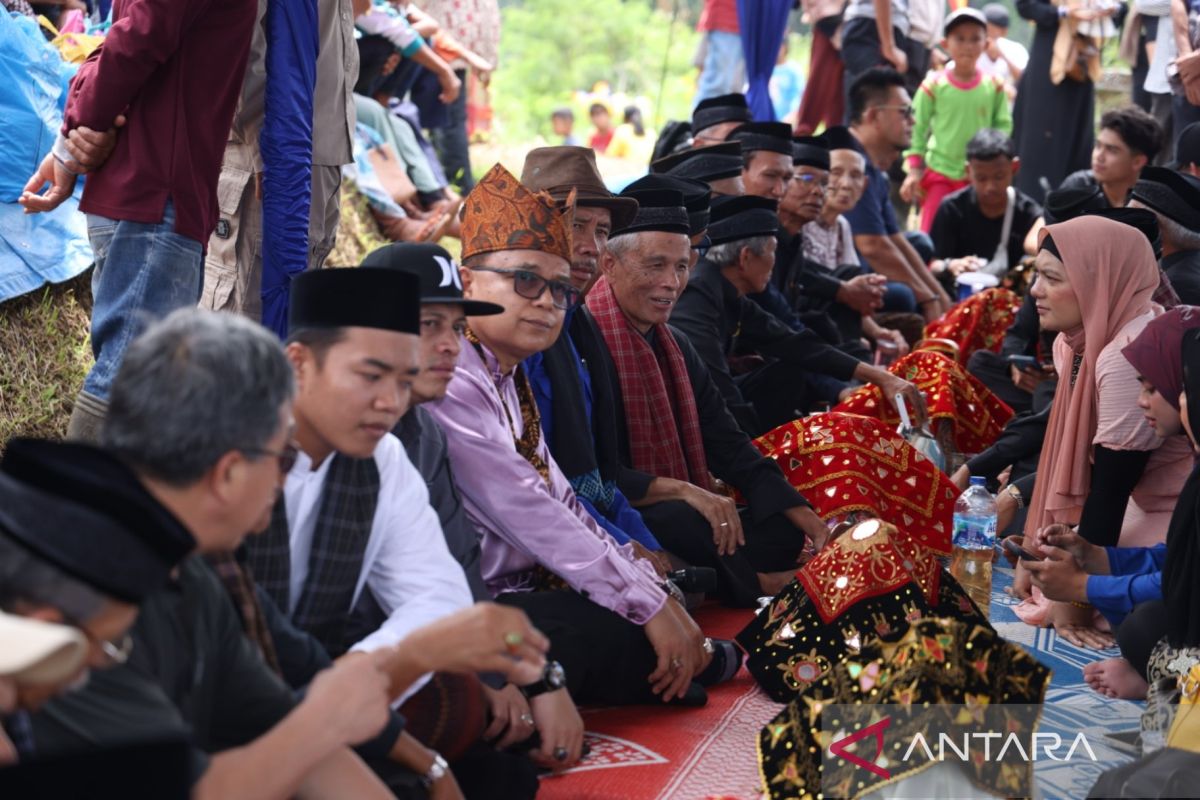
x=527 y=719
x=708 y=646
x=676 y=662
x=724 y=524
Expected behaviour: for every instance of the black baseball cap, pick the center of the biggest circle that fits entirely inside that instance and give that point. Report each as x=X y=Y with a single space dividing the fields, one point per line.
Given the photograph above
x=437 y=272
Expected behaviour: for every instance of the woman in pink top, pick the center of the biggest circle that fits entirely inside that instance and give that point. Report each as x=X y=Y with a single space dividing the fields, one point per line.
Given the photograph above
x=1102 y=467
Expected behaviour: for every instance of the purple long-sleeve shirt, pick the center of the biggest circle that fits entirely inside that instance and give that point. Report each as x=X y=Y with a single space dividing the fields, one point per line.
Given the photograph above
x=522 y=520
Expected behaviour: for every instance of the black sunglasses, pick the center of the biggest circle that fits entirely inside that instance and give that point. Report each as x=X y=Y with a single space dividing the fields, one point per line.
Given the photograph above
x=531 y=286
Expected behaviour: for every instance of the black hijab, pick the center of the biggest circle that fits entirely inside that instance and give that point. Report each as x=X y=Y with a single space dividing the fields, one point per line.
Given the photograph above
x=1181 y=568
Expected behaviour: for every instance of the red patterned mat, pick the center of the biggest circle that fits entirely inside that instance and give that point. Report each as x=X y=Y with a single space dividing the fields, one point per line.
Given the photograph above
x=643 y=753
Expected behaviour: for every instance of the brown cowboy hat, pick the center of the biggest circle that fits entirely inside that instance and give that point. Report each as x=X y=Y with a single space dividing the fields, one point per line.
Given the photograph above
x=558 y=170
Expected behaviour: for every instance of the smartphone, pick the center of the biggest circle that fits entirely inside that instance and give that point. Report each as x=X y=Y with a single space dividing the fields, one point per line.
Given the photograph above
x=1019 y=552
x=1024 y=362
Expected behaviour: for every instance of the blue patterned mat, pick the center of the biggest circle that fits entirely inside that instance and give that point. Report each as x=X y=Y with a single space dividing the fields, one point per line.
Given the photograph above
x=1071 y=705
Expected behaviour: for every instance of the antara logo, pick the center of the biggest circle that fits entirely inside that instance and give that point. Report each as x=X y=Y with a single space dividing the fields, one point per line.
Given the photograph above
x=964 y=748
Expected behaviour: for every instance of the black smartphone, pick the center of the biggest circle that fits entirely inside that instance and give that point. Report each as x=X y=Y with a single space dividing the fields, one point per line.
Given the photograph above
x=1019 y=552
x=1024 y=362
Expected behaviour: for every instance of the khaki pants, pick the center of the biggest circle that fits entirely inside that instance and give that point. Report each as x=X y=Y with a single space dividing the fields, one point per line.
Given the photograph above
x=233 y=266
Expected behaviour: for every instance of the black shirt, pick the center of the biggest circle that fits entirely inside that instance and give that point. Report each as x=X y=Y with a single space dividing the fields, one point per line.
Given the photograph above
x=960 y=228
x=1183 y=270
x=192 y=673
x=730 y=454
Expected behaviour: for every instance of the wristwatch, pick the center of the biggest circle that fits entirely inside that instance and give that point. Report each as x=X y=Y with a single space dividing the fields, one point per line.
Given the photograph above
x=437 y=770
x=1015 y=494
x=553 y=678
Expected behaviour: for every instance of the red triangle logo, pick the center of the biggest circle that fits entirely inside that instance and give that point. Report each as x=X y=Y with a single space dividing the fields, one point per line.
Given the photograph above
x=838 y=748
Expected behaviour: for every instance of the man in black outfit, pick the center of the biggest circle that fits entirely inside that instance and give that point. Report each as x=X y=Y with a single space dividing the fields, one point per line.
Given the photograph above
x=720 y=321
x=969 y=222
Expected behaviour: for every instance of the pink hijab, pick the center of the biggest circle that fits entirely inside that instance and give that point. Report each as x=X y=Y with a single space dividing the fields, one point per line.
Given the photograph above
x=1112 y=269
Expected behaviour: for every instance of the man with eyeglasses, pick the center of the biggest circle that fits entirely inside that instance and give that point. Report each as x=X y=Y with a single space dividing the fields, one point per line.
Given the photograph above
x=881 y=121
x=621 y=638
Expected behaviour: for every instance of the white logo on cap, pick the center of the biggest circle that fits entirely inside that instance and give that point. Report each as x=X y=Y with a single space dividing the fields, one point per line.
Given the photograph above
x=449 y=273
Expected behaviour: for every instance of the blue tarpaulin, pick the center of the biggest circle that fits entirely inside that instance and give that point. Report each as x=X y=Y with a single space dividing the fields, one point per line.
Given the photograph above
x=286 y=145
x=763 y=24
x=34 y=248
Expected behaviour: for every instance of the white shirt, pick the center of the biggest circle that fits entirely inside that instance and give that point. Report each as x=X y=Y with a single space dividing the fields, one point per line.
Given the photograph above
x=1014 y=53
x=407 y=564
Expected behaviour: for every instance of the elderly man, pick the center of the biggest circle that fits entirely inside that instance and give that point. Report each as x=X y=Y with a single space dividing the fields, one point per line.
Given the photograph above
x=718 y=317
x=1175 y=200
x=658 y=377
x=576 y=412
x=837 y=303
x=718 y=165
x=715 y=117
x=623 y=639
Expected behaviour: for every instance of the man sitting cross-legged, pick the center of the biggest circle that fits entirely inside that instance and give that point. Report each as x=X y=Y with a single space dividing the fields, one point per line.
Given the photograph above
x=658 y=378
x=517 y=711
x=619 y=636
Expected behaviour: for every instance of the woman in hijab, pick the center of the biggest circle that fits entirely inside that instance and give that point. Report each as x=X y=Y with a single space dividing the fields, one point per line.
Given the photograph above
x=1096 y=279
x=1125 y=583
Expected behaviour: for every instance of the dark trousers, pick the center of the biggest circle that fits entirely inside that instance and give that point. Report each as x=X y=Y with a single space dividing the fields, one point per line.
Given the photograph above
x=451 y=141
x=771 y=546
x=1139 y=632
x=861 y=51
x=606 y=657
x=995 y=373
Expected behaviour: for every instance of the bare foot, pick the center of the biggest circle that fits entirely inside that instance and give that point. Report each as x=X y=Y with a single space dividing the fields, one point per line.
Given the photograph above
x=773 y=583
x=1115 y=677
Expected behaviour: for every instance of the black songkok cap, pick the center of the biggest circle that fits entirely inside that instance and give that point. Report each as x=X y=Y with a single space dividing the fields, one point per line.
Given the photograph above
x=1064 y=204
x=1174 y=195
x=736 y=218
x=83 y=510
x=839 y=137
x=1138 y=218
x=703 y=164
x=362 y=297
x=773 y=136
x=715 y=110
x=660 y=208
x=435 y=269
x=696 y=197
x=810 y=151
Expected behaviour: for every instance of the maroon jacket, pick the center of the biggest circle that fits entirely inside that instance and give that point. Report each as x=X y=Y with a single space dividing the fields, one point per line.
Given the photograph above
x=174 y=68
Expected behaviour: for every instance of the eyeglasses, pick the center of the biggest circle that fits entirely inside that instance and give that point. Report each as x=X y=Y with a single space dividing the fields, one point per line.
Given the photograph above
x=906 y=111
x=531 y=286
x=808 y=180
x=286 y=457
x=702 y=248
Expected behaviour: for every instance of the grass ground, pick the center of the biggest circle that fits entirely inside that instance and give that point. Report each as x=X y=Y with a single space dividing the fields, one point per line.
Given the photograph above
x=44 y=356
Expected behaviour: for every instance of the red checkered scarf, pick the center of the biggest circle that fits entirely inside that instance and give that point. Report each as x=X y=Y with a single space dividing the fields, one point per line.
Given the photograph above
x=646 y=377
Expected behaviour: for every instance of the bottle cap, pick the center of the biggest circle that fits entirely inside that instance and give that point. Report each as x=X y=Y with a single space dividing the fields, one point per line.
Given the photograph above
x=978 y=480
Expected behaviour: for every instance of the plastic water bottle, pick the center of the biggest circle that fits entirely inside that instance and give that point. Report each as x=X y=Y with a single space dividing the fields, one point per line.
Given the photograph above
x=974 y=541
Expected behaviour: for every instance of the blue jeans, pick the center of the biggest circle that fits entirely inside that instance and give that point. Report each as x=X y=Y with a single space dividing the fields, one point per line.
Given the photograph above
x=724 y=66
x=899 y=297
x=143 y=271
